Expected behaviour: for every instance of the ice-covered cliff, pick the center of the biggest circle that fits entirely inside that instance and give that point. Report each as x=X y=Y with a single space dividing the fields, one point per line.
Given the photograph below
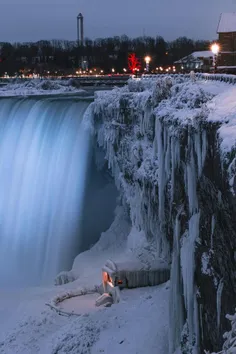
x=170 y=145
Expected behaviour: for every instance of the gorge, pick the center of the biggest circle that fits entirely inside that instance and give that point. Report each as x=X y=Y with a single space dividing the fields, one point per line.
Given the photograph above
x=169 y=144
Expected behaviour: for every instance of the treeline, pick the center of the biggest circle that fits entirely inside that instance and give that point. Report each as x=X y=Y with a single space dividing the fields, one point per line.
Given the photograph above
x=61 y=56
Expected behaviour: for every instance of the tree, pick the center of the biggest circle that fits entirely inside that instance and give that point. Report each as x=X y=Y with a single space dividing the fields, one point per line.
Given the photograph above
x=133 y=63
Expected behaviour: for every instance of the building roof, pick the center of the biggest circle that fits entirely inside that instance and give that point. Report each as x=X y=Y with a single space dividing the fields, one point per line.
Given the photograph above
x=196 y=55
x=202 y=54
x=227 y=22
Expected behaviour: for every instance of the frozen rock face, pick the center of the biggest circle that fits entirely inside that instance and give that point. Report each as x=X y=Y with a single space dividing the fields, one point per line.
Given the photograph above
x=165 y=158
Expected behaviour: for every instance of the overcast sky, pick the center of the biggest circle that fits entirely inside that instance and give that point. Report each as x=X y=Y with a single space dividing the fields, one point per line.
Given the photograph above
x=32 y=20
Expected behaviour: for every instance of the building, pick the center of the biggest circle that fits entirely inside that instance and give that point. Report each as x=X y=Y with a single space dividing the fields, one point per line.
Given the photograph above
x=227 y=41
x=80 y=29
x=197 y=61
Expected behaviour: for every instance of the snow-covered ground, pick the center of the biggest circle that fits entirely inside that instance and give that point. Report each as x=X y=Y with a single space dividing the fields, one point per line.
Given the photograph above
x=137 y=325
x=40 y=87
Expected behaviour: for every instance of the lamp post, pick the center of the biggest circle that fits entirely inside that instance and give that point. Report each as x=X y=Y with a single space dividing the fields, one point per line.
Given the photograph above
x=215 y=48
x=147 y=60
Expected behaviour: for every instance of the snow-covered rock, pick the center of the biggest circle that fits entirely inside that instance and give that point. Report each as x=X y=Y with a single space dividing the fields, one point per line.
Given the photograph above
x=165 y=146
x=40 y=87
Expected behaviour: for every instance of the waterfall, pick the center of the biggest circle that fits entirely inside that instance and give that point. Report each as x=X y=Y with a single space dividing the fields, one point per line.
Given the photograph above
x=43 y=164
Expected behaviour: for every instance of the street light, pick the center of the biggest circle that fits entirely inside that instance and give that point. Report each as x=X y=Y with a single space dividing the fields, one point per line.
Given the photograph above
x=147 y=60
x=215 y=48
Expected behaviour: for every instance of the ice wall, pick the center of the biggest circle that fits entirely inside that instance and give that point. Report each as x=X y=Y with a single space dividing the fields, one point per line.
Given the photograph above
x=165 y=158
x=43 y=164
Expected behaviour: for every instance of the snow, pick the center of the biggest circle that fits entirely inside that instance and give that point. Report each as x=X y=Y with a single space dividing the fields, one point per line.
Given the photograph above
x=137 y=325
x=39 y=87
x=226 y=66
x=227 y=22
x=177 y=105
x=197 y=55
x=222 y=110
x=202 y=54
x=79 y=304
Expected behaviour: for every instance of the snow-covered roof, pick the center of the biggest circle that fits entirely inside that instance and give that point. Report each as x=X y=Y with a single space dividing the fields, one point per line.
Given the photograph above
x=227 y=22
x=202 y=54
x=196 y=55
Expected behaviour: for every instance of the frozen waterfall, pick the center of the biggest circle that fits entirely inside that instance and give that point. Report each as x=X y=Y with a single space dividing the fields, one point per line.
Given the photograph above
x=43 y=163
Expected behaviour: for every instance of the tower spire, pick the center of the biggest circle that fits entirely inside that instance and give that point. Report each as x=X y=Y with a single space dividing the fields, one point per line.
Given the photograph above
x=80 y=29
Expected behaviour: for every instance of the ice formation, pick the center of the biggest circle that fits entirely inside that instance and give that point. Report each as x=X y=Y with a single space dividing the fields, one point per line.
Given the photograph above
x=155 y=133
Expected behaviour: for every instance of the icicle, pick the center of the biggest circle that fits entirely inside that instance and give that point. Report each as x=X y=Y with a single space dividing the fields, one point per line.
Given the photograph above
x=161 y=171
x=204 y=148
x=192 y=183
x=198 y=151
x=212 y=229
x=188 y=269
x=175 y=159
x=176 y=311
x=218 y=302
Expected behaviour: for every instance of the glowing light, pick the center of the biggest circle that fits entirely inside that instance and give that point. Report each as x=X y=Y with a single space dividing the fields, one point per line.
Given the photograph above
x=147 y=59
x=113 y=70
x=215 y=48
x=125 y=70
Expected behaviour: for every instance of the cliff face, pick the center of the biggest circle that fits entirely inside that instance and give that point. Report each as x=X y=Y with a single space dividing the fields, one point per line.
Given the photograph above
x=166 y=157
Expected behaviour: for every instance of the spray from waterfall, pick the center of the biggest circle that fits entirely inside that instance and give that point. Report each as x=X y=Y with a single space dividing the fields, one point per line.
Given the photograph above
x=43 y=162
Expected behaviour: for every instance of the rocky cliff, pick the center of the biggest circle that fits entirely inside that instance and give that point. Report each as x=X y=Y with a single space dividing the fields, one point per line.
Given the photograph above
x=165 y=145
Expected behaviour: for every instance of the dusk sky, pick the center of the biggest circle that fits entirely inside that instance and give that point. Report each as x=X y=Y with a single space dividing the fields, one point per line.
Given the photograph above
x=32 y=20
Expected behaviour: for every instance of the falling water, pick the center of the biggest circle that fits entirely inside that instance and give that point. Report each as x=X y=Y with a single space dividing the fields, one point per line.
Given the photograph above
x=43 y=164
